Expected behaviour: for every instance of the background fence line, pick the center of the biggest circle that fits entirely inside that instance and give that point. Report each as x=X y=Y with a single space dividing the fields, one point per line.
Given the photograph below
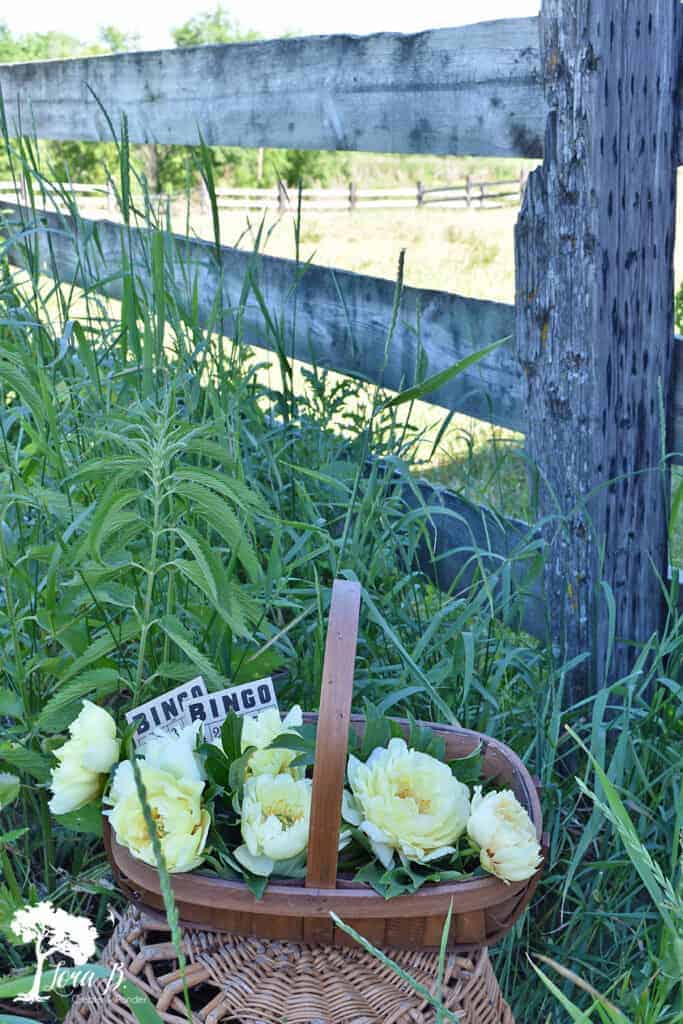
x=471 y=193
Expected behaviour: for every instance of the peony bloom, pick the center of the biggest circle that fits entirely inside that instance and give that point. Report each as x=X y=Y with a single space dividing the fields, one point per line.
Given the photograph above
x=175 y=802
x=406 y=802
x=260 y=731
x=176 y=754
x=276 y=811
x=505 y=834
x=84 y=759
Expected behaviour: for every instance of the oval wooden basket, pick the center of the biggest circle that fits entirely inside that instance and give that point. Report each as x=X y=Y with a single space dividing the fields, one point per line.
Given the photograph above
x=484 y=908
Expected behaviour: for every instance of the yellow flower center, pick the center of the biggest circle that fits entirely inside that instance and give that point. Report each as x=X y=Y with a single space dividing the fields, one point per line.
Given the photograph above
x=285 y=813
x=159 y=823
x=405 y=792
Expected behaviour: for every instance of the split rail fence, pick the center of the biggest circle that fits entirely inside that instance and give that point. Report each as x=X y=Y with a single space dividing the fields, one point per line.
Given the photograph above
x=477 y=90
x=469 y=194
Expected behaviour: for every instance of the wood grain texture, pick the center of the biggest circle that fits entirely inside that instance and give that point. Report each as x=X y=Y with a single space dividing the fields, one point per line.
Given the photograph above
x=335 y=318
x=474 y=90
x=331 y=750
x=594 y=256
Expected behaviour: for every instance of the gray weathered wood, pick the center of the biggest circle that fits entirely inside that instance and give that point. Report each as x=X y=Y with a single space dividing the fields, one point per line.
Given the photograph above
x=452 y=326
x=337 y=319
x=594 y=254
x=471 y=90
x=468 y=542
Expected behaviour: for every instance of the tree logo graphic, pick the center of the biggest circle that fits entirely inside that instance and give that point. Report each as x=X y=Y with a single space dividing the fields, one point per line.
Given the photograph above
x=53 y=931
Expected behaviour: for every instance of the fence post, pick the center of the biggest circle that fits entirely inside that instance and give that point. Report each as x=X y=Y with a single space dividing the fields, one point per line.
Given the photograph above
x=594 y=324
x=468 y=190
x=281 y=196
x=420 y=194
x=481 y=194
x=353 y=198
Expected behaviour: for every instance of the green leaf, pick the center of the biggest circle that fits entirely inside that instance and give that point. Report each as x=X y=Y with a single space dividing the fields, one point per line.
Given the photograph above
x=110 y=516
x=233 y=490
x=439 y=380
x=177 y=632
x=10 y=704
x=231 y=736
x=424 y=739
x=9 y=788
x=468 y=769
x=216 y=765
x=7 y=838
x=25 y=760
x=245 y=667
x=223 y=520
x=98 y=682
x=377 y=730
x=103 y=645
x=87 y=819
x=256 y=884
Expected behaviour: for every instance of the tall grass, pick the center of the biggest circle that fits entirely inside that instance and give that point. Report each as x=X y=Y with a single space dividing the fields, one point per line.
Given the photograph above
x=164 y=511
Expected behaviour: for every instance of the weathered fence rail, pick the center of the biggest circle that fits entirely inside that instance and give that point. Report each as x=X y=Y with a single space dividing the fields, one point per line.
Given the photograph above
x=482 y=90
x=474 y=90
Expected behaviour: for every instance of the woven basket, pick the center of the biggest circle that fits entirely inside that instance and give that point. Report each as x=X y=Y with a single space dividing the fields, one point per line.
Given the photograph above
x=484 y=908
x=236 y=980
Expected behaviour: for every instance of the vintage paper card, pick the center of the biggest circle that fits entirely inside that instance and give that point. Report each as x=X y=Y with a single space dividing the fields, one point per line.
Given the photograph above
x=246 y=699
x=167 y=713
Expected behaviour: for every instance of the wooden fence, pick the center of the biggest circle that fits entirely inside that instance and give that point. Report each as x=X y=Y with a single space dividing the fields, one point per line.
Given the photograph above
x=485 y=89
x=471 y=193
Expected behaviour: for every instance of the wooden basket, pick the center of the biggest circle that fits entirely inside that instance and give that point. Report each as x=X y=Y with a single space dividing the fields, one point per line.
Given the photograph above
x=236 y=980
x=484 y=909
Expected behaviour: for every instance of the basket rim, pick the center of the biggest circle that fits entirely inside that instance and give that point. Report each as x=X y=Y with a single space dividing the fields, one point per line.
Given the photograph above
x=356 y=900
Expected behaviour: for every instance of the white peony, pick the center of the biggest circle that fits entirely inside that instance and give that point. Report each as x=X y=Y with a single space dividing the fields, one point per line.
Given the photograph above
x=84 y=760
x=276 y=813
x=259 y=731
x=505 y=835
x=182 y=824
x=176 y=754
x=406 y=802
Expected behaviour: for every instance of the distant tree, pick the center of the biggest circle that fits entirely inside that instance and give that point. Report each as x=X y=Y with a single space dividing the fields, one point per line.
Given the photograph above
x=217 y=26
x=114 y=40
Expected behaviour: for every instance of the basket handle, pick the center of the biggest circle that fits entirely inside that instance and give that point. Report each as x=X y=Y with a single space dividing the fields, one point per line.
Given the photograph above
x=332 y=741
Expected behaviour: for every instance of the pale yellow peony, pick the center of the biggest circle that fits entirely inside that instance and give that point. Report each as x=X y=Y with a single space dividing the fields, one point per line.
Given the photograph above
x=406 y=802
x=276 y=812
x=84 y=760
x=173 y=780
x=505 y=835
x=176 y=754
x=259 y=731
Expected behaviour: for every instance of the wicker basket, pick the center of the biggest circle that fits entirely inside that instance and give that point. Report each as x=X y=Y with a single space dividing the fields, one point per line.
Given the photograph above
x=484 y=909
x=236 y=980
